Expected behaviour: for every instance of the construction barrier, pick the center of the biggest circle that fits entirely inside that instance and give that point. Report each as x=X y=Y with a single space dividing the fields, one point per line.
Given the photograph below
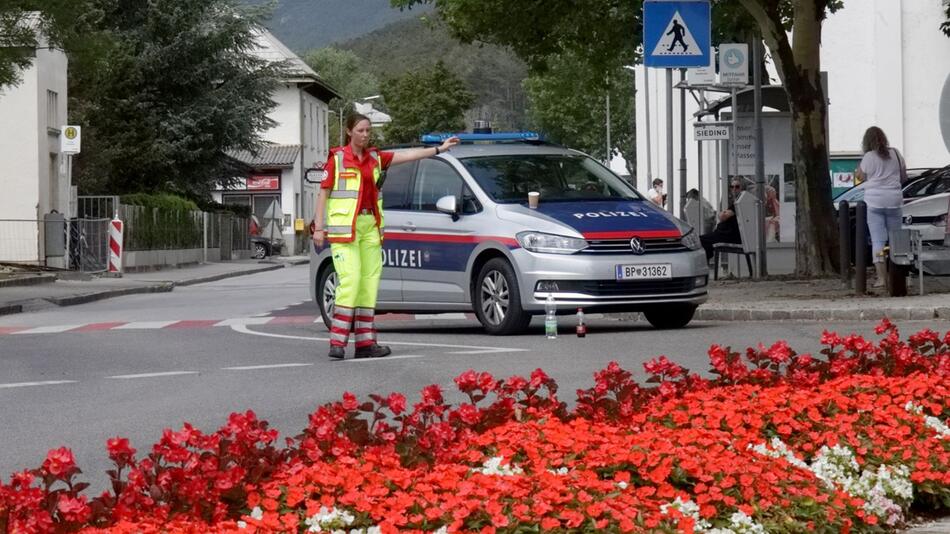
x=115 y=246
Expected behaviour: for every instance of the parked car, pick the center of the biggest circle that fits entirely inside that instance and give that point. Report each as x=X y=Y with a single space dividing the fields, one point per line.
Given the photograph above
x=928 y=216
x=460 y=236
x=261 y=245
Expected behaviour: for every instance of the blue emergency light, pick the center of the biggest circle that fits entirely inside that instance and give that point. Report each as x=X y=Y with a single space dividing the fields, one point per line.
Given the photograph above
x=472 y=137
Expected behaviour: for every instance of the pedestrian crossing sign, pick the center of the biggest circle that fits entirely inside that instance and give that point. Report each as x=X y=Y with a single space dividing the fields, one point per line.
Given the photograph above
x=676 y=33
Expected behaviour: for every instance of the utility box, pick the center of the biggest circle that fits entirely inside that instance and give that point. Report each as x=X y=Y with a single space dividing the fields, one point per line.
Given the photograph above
x=54 y=225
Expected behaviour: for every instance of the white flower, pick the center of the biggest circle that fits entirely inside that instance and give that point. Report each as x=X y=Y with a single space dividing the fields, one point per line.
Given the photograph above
x=493 y=466
x=442 y=530
x=257 y=513
x=331 y=520
x=622 y=485
x=558 y=471
x=943 y=431
x=242 y=524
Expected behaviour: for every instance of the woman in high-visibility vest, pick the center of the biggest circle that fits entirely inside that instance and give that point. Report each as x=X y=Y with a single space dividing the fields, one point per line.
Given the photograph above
x=349 y=214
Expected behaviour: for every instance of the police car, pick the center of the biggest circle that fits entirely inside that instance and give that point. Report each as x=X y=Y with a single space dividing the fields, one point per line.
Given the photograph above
x=460 y=236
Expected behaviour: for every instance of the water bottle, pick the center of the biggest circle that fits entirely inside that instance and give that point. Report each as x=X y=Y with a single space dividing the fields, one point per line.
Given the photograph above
x=550 y=317
x=581 y=327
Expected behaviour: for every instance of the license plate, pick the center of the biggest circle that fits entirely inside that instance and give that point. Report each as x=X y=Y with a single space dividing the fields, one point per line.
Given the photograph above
x=648 y=271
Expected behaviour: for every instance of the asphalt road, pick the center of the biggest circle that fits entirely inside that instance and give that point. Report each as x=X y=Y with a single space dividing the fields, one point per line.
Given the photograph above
x=175 y=358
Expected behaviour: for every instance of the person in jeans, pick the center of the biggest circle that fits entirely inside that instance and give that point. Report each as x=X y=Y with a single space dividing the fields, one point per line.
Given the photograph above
x=882 y=167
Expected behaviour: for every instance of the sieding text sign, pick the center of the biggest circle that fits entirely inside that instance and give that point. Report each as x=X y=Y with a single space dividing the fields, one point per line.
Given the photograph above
x=710 y=132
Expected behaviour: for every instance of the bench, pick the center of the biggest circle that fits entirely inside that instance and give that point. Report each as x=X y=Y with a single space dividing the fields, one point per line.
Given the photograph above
x=905 y=247
x=746 y=208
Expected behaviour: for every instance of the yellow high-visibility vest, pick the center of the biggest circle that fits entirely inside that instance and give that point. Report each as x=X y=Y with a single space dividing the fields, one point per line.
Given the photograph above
x=343 y=202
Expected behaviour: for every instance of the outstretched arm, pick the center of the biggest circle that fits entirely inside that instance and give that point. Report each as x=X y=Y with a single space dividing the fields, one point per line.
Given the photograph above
x=405 y=156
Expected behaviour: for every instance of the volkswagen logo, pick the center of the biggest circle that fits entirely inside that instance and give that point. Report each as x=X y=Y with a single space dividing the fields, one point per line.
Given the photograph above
x=636 y=245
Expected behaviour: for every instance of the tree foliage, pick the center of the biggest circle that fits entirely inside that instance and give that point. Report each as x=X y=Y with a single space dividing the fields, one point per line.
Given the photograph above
x=23 y=23
x=179 y=86
x=945 y=27
x=426 y=100
x=569 y=104
x=346 y=72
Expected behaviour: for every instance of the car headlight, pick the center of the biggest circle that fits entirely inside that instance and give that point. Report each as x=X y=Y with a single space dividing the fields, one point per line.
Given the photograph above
x=941 y=220
x=691 y=240
x=549 y=243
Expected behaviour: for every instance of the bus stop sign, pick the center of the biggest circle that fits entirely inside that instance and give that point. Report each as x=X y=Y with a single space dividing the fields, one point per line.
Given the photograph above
x=676 y=34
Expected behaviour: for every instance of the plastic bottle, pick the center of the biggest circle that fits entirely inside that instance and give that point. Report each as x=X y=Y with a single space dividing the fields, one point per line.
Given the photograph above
x=550 y=317
x=581 y=327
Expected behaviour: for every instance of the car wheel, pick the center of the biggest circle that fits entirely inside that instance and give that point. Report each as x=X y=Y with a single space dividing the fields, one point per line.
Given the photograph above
x=672 y=316
x=326 y=294
x=498 y=299
x=260 y=251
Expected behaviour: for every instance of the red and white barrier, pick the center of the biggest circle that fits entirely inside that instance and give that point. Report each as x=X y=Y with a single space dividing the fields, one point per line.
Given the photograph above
x=115 y=246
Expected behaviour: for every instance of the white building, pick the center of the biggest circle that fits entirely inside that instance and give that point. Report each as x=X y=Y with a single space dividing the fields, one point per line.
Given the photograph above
x=32 y=171
x=888 y=65
x=277 y=186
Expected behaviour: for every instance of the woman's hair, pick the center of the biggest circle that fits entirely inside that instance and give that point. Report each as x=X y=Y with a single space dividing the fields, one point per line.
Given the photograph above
x=351 y=121
x=875 y=141
x=657 y=181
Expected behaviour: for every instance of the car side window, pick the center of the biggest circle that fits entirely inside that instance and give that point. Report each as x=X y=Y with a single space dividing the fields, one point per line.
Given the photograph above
x=396 y=187
x=470 y=203
x=434 y=180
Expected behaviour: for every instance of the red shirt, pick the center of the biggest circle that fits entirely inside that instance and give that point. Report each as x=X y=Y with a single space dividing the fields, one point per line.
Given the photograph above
x=366 y=164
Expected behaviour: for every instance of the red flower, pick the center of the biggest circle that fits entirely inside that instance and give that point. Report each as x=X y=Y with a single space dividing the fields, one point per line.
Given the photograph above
x=60 y=462
x=349 y=401
x=396 y=403
x=119 y=450
x=73 y=509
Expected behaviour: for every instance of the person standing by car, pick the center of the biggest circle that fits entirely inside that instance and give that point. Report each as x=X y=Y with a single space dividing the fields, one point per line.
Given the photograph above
x=351 y=208
x=882 y=167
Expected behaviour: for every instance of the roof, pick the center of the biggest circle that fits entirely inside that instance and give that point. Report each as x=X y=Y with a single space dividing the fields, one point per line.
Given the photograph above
x=268 y=156
x=271 y=49
x=375 y=116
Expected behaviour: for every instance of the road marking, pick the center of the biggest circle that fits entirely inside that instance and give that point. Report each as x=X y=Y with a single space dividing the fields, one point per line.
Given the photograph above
x=243 y=320
x=28 y=384
x=473 y=349
x=272 y=366
x=145 y=325
x=48 y=329
x=96 y=327
x=153 y=375
x=193 y=323
x=384 y=358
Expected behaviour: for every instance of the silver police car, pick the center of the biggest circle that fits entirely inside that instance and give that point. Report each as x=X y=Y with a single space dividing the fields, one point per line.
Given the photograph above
x=460 y=236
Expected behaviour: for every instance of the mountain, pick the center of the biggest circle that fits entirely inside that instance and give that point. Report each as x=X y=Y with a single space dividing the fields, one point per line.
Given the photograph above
x=306 y=24
x=492 y=72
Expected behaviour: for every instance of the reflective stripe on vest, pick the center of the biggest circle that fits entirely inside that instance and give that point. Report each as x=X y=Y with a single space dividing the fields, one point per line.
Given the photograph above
x=343 y=201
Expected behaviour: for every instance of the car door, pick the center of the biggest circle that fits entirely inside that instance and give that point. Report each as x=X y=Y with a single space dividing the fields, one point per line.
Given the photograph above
x=395 y=193
x=437 y=248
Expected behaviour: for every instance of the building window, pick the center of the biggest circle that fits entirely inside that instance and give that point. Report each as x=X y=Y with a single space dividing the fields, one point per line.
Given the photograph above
x=52 y=109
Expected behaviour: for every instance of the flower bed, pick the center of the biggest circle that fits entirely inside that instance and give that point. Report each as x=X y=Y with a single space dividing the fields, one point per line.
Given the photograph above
x=778 y=442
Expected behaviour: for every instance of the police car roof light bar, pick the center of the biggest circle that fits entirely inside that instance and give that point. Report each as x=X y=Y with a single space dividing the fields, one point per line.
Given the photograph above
x=472 y=137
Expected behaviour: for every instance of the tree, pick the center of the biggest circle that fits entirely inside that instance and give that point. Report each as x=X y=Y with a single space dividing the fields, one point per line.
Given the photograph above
x=345 y=72
x=945 y=27
x=179 y=87
x=422 y=101
x=568 y=104
x=798 y=62
x=21 y=21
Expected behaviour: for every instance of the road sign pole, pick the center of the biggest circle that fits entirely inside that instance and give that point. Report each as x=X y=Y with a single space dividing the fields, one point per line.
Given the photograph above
x=669 y=140
x=733 y=153
x=759 y=156
x=699 y=185
x=682 y=145
x=608 y=124
x=649 y=136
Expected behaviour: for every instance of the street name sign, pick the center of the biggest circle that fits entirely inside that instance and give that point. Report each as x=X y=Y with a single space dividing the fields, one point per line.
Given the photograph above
x=734 y=65
x=710 y=132
x=676 y=34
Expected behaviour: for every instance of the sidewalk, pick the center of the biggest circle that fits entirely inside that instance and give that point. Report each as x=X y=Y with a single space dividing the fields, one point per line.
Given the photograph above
x=24 y=291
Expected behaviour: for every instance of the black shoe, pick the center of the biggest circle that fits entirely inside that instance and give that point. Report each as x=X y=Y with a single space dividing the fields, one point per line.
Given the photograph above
x=337 y=353
x=373 y=351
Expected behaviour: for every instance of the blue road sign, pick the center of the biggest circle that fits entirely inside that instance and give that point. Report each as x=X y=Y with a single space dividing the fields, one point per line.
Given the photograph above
x=676 y=33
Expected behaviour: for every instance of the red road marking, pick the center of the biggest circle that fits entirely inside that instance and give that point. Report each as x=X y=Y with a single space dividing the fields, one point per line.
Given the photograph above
x=95 y=327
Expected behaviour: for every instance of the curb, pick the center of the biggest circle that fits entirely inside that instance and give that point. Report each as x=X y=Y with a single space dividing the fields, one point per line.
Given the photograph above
x=101 y=295
x=825 y=314
x=28 y=280
x=222 y=276
x=10 y=309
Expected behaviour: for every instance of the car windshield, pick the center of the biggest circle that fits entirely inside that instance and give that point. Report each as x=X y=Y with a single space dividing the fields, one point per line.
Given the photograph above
x=854 y=194
x=558 y=177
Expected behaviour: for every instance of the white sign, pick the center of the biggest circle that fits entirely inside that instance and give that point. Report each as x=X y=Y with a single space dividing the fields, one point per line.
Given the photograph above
x=703 y=75
x=69 y=140
x=710 y=132
x=734 y=64
x=677 y=40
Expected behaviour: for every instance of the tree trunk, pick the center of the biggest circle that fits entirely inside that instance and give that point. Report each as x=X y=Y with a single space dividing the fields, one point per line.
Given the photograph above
x=799 y=65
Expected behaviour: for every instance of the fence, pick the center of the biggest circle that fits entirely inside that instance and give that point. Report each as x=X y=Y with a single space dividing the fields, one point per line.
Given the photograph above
x=97 y=207
x=24 y=240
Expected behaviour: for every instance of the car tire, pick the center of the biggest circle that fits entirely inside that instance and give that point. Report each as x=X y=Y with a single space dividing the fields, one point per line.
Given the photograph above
x=325 y=293
x=260 y=251
x=670 y=317
x=497 y=299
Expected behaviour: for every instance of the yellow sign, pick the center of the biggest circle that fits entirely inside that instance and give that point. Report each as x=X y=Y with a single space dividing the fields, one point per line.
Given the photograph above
x=298 y=225
x=71 y=132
